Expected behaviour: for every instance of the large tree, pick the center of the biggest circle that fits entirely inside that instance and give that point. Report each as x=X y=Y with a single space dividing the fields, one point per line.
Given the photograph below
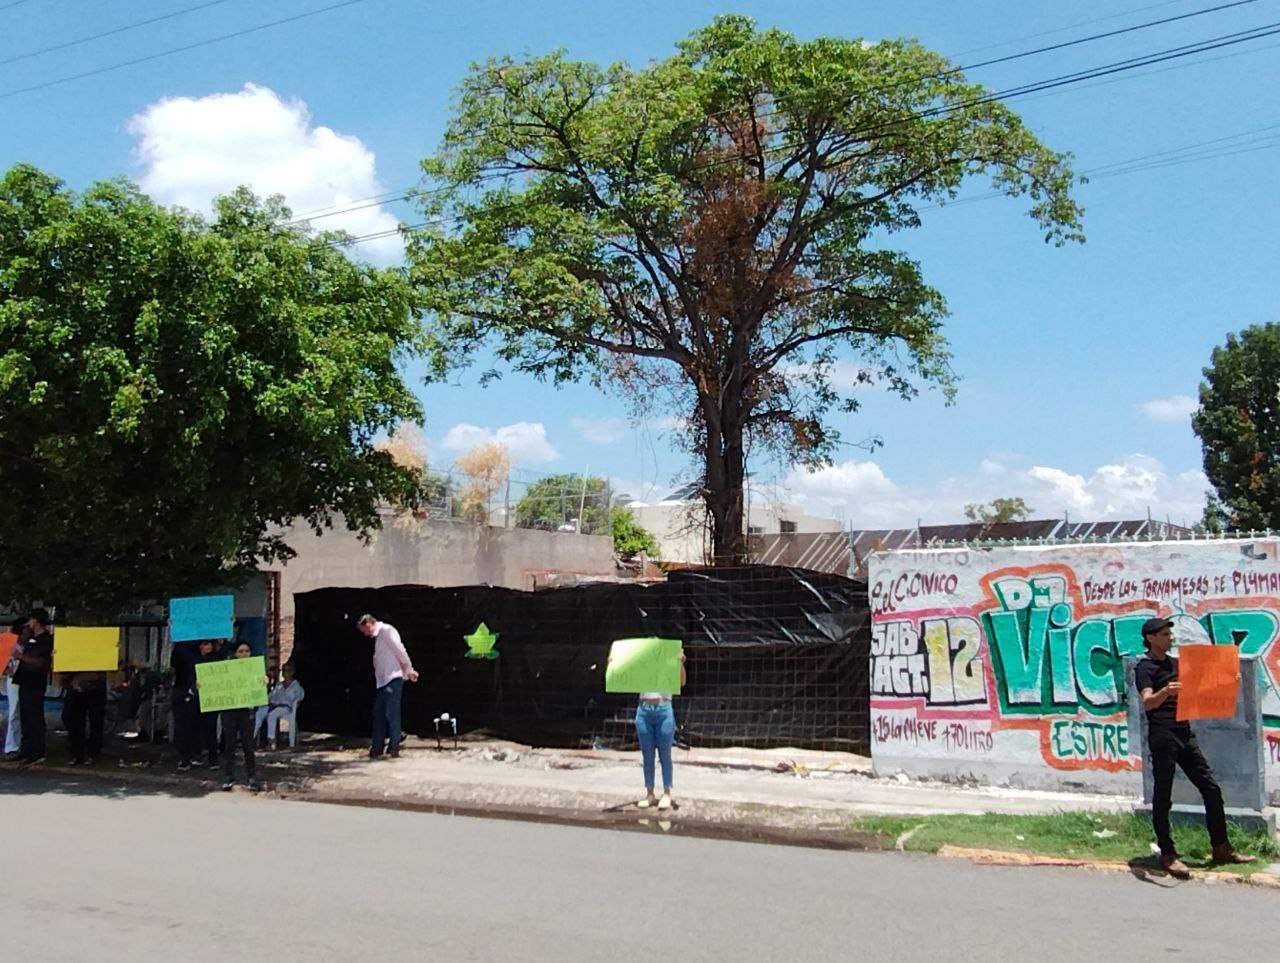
x=174 y=391
x=713 y=229
x=1238 y=422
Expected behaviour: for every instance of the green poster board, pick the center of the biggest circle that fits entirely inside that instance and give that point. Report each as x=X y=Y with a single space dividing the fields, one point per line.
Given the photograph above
x=231 y=684
x=643 y=665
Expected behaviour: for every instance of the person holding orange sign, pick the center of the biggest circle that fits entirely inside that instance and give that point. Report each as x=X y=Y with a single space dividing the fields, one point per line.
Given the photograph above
x=32 y=677
x=1172 y=744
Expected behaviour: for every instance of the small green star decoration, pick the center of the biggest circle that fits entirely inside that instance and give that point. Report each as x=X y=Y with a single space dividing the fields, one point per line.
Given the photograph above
x=480 y=643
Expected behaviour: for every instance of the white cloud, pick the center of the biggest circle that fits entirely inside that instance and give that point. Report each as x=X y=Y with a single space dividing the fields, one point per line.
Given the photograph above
x=525 y=440
x=600 y=431
x=192 y=149
x=863 y=494
x=1173 y=408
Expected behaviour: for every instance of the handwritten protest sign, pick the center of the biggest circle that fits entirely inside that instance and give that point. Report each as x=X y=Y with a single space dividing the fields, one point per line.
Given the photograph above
x=643 y=665
x=231 y=684
x=1209 y=677
x=201 y=617
x=78 y=648
x=7 y=641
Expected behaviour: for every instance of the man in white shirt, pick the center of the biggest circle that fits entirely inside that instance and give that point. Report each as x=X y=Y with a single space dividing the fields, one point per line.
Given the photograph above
x=391 y=667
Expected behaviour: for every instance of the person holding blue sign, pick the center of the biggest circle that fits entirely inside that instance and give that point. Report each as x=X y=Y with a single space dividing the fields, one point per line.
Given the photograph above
x=656 y=731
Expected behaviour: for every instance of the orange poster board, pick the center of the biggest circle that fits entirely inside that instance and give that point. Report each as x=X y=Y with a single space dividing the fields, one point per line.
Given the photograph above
x=1210 y=677
x=7 y=641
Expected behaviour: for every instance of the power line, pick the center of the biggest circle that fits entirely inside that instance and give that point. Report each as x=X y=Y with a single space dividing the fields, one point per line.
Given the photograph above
x=177 y=50
x=15 y=3
x=1052 y=83
x=1070 y=26
x=367 y=202
x=111 y=33
x=1103 y=36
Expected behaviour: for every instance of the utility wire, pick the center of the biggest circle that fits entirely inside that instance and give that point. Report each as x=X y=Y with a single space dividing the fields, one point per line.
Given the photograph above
x=395 y=196
x=110 y=33
x=1129 y=64
x=177 y=50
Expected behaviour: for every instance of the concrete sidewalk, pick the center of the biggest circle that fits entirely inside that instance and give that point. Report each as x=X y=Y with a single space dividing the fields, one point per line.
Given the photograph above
x=783 y=787
x=797 y=792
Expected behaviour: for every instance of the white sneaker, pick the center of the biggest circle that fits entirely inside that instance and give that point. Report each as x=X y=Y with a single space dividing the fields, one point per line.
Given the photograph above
x=665 y=801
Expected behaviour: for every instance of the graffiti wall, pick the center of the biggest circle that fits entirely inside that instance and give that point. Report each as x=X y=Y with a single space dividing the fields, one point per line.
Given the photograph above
x=1006 y=664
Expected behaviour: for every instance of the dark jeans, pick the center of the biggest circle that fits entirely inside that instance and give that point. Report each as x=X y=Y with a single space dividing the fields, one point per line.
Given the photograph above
x=1172 y=748
x=237 y=725
x=386 y=718
x=207 y=736
x=81 y=707
x=185 y=726
x=31 y=712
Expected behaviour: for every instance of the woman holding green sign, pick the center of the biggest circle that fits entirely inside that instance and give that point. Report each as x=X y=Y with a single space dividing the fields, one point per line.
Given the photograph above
x=237 y=724
x=656 y=730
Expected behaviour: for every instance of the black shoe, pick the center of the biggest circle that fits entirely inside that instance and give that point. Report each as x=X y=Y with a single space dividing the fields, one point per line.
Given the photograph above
x=394 y=754
x=91 y=761
x=255 y=786
x=228 y=785
x=75 y=762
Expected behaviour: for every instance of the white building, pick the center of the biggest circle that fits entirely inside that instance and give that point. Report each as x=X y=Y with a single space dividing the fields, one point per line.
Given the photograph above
x=680 y=524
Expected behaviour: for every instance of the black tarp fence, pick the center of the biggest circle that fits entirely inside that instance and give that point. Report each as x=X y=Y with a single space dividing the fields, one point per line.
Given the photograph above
x=775 y=657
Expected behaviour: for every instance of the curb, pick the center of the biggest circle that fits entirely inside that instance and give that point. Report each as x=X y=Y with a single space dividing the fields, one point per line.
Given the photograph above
x=996 y=857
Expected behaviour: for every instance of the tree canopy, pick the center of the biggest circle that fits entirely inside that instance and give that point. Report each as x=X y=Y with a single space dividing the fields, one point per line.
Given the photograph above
x=630 y=538
x=174 y=391
x=1238 y=423
x=711 y=232
x=1000 y=510
x=559 y=500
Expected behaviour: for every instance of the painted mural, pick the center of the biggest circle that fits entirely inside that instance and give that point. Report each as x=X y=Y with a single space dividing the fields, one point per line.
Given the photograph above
x=1007 y=663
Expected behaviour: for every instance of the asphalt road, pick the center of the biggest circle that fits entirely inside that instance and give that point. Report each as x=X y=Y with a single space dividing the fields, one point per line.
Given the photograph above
x=102 y=873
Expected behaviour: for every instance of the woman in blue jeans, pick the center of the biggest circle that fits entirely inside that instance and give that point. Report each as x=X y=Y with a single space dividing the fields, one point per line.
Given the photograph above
x=656 y=730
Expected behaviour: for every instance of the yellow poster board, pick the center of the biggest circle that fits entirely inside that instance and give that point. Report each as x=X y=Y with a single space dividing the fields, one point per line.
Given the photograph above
x=78 y=648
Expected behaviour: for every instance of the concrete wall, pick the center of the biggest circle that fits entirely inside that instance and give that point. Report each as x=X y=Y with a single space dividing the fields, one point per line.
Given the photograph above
x=1006 y=664
x=435 y=552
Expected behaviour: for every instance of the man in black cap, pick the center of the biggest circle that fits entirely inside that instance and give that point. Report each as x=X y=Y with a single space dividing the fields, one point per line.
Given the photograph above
x=1173 y=744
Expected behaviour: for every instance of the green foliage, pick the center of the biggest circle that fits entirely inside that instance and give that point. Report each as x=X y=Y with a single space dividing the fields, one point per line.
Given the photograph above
x=630 y=538
x=1000 y=510
x=1078 y=835
x=709 y=231
x=557 y=500
x=173 y=391
x=1239 y=427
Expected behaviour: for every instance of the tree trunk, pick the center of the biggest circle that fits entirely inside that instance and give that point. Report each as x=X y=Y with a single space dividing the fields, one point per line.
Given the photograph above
x=725 y=471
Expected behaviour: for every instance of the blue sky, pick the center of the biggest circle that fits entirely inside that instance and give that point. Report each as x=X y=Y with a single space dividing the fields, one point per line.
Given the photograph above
x=1077 y=362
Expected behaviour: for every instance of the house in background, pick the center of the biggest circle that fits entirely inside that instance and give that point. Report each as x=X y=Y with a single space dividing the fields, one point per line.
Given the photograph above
x=679 y=523
x=846 y=553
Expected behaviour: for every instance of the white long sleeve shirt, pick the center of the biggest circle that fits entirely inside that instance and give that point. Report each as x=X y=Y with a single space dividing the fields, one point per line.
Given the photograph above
x=390 y=660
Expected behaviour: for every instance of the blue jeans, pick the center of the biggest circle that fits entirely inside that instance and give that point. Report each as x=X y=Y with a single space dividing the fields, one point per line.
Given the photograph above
x=386 y=718
x=656 y=729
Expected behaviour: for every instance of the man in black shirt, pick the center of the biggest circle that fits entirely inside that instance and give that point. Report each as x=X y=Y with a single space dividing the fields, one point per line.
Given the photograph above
x=1173 y=744
x=32 y=678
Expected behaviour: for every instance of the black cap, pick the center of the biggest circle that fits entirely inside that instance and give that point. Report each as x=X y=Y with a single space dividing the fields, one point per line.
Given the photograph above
x=1152 y=626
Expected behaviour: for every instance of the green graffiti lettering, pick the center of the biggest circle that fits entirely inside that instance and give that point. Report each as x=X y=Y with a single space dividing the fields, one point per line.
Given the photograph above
x=1099 y=687
x=1251 y=631
x=1127 y=630
x=1063 y=685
